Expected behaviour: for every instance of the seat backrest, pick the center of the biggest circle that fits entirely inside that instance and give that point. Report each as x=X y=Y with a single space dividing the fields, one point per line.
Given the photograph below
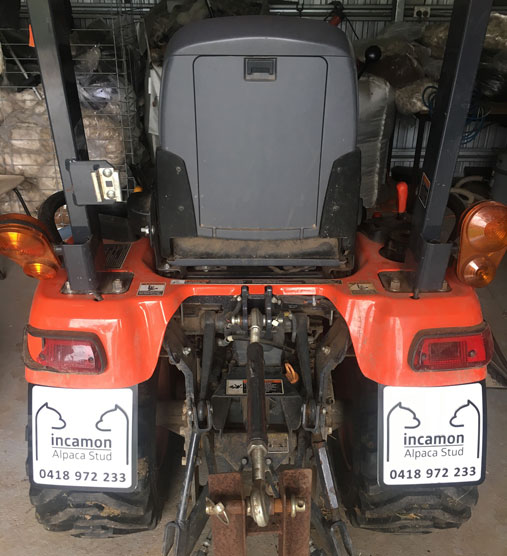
x=254 y=113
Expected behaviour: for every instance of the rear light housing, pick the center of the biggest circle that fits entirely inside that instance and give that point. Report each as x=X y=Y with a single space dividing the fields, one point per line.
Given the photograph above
x=25 y=241
x=451 y=349
x=63 y=351
x=483 y=242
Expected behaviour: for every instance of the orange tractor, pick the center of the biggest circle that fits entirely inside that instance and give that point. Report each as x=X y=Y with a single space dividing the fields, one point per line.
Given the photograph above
x=323 y=364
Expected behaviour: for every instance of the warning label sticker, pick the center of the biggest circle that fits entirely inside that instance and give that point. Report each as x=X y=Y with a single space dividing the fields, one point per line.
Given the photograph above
x=359 y=288
x=424 y=189
x=238 y=387
x=146 y=288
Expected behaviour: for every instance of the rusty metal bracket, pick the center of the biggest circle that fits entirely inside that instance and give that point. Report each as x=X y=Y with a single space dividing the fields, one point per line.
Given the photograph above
x=294 y=539
x=228 y=539
x=289 y=515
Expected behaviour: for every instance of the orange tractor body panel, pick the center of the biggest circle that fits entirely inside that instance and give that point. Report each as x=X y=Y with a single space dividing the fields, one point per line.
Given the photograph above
x=131 y=327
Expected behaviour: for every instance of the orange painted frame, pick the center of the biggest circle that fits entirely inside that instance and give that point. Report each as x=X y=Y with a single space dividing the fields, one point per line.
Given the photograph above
x=382 y=324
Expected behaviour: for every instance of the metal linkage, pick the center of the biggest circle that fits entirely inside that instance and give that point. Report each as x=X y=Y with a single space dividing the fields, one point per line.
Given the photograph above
x=208 y=350
x=256 y=422
x=182 y=533
x=303 y=351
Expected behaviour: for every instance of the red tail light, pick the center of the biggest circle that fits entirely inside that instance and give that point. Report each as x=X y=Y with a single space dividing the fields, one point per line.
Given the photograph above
x=63 y=351
x=452 y=349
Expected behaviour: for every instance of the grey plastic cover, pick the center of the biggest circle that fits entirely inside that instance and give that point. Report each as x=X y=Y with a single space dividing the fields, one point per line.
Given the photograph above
x=258 y=108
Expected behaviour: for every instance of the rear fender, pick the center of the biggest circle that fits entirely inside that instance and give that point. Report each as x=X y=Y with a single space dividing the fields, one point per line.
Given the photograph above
x=131 y=327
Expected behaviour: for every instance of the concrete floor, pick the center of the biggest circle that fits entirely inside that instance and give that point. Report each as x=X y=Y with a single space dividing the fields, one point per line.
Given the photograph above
x=20 y=535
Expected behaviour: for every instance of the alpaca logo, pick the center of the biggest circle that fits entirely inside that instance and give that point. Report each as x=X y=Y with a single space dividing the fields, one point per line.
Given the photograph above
x=45 y=412
x=406 y=419
x=48 y=419
x=407 y=416
x=465 y=414
x=115 y=417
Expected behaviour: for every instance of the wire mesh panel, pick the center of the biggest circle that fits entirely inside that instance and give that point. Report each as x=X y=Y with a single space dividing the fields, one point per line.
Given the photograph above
x=109 y=76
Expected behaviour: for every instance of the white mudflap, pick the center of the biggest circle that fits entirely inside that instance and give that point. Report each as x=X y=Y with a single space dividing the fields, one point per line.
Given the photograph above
x=431 y=435
x=84 y=438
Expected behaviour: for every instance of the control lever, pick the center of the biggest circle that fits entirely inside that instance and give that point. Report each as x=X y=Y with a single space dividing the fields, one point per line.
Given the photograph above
x=402 y=191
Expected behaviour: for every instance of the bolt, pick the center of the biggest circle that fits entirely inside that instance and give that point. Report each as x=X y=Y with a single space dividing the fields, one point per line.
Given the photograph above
x=181 y=208
x=66 y=287
x=107 y=172
x=186 y=350
x=117 y=285
x=326 y=350
x=178 y=169
x=395 y=285
x=330 y=401
x=269 y=461
x=145 y=230
x=244 y=461
x=110 y=194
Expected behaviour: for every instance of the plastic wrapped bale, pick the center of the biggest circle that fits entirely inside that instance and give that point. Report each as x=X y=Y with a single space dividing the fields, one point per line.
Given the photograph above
x=491 y=80
x=161 y=24
x=375 y=126
x=409 y=99
x=435 y=35
x=432 y=68
x=398 y=69
x=26 y=149
x=104 y=135
x=111 y=97
x=496 y=35
x=26 y=100
x=401 y=62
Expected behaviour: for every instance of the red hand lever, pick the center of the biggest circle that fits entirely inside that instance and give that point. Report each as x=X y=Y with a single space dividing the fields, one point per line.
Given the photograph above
x=402 y=189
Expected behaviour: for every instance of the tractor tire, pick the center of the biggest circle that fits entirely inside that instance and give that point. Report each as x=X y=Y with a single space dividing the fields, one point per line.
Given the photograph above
x=404 y=509
x=108 y=514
